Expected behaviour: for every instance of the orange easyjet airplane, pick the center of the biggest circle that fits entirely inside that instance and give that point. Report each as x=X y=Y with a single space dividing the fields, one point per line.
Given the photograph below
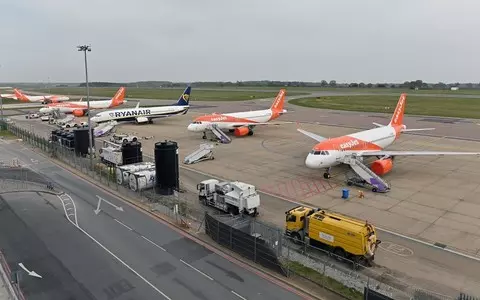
x=241 y=123
x=44 y=98
x=353 y=148
x=80 y=108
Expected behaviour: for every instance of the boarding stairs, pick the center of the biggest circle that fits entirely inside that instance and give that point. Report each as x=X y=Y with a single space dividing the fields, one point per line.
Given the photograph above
x=222 y=136
x=203 y=153
x=365 y=173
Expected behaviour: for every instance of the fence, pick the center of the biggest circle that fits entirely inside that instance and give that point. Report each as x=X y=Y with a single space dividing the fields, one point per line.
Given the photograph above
x=11 y=282
x=260 y=242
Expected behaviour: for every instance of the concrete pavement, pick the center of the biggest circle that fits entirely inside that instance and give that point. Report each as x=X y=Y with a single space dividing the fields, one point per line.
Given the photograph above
x=148 y=256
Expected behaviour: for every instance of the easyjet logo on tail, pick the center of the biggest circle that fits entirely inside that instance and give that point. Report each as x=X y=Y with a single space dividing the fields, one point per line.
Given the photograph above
x=397 y=118
x=118 y=98
x=279 y=100
x=20 y=96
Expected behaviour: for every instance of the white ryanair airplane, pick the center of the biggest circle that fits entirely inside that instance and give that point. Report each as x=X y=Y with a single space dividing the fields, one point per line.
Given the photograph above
x=145 y=114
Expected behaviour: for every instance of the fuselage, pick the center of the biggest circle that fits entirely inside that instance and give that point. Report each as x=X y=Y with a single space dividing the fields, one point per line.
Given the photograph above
x=68 y=107
x=130 y=114
x=230 y=120
x=332 y=152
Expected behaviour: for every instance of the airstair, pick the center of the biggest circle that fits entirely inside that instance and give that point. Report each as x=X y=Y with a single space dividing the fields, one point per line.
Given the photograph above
x=222 y=136
x=203 y=153
x=367 y=175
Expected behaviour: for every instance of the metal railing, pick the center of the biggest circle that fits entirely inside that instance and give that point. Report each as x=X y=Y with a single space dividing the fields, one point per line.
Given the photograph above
x=297 y=261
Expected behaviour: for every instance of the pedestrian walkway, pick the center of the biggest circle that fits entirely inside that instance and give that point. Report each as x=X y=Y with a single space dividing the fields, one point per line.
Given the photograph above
x=4 y=295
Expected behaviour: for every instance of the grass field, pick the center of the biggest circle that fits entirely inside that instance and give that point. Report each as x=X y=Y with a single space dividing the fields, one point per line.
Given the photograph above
x=6 y=134
x=198 y=95
x=10 y=101
x=420 y=105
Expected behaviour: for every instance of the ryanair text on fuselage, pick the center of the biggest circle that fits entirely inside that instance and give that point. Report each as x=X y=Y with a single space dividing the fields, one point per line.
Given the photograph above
x=140 y=112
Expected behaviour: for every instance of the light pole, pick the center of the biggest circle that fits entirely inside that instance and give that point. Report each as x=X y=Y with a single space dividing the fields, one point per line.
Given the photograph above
x=86 y=48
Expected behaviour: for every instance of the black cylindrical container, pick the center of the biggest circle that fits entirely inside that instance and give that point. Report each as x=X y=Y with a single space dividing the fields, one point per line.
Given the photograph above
x=81 y=141
x=166 y=167
x=132 y=153
x=54 y=136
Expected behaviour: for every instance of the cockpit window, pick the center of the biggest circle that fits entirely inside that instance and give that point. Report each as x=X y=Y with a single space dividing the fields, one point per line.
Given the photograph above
x=197 y=122
x=315 y=152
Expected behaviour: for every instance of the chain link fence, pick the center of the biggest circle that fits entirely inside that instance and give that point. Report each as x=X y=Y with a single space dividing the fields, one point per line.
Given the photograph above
x=260 y=242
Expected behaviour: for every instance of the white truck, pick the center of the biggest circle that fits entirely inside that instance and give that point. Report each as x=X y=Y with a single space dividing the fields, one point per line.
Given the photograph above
x=232 y=197
x=123 y=138
x=111 y=154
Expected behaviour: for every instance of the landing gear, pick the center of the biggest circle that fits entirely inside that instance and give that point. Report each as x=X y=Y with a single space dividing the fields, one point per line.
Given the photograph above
x=204 y=135
x=326 y=175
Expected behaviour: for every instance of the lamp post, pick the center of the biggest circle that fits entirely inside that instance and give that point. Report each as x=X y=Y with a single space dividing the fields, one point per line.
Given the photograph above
x=86 y=48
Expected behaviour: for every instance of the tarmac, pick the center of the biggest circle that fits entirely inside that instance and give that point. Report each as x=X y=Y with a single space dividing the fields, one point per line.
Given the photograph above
x=432 y=199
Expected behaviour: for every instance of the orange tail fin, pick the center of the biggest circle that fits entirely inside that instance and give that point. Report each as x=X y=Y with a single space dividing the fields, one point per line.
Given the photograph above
x=20 y=96
x=279 y=101
x=397 y=118
x=119 y=97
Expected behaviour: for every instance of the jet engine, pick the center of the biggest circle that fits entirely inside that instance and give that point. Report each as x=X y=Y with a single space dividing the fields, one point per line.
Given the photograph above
x=382 y=166
x=242 y=131
x=78 y=113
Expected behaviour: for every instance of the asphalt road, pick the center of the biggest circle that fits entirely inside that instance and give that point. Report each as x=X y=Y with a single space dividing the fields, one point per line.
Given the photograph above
x=401 y=261
x=116 y=254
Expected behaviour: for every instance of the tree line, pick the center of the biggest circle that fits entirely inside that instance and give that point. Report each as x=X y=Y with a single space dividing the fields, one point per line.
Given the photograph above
x=414 y=84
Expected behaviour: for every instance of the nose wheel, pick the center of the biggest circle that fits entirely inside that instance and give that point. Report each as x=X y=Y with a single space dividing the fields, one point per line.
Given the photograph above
x=326 y=175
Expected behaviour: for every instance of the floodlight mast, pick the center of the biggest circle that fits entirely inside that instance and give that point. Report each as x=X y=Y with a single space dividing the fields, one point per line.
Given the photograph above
x=88 y=48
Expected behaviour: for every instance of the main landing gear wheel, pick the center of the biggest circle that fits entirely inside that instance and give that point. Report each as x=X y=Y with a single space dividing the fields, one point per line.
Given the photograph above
x=374 y=190
x=326 y=175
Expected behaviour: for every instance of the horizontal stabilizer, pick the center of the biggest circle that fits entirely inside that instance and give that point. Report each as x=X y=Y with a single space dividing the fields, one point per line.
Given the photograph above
x=417 y=129
x=312 y=135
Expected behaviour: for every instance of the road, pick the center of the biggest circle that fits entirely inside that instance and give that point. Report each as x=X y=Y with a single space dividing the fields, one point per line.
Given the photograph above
x=116 y=254
x=402 y=261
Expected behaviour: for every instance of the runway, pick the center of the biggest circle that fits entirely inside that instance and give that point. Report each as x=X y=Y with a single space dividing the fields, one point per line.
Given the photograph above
x=115 y=254
x=433 y=199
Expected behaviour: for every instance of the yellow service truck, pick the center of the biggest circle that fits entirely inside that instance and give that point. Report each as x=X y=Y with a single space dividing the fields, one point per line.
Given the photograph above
x=346 y=237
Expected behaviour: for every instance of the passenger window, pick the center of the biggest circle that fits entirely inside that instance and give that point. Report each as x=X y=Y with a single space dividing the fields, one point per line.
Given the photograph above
x=326 y=153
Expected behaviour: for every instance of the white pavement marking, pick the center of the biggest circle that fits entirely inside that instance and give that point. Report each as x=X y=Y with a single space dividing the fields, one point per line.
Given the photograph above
x=123 y=224
x=238 y=295
x=379 y=228
x=117 y=258
x=189 y=265
x=153 y=243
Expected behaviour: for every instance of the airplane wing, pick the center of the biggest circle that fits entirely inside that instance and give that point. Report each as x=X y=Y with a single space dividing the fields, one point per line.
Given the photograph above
x=413 y=153
x=312 y=135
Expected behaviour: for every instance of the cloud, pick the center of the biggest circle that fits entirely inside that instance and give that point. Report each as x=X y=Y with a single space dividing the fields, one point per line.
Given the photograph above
x=375 y=40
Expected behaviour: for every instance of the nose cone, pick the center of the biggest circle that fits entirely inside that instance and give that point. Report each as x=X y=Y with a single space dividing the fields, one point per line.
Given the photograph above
x=43 y=110
x=191 y=127
x=312 y=161
x=94 y=119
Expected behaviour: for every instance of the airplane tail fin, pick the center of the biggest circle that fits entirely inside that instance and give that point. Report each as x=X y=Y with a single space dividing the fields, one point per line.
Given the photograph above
x=119 y=97
x=20 y=96
x=278 y=103
x=185 y=97
x=397 y=118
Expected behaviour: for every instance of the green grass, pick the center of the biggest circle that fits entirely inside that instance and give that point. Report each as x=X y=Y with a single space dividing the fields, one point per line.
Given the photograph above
x=197 y=95
x=322 y=280
x=6 y=134
x=10 y=101
x=420 y=105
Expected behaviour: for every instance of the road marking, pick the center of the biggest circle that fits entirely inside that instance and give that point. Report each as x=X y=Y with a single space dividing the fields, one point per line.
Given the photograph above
x=196 y=269
x=239 y=296
x=117 y=258
x=396 y=249
x=123 y=224
x=378 y=228
x=153 y=243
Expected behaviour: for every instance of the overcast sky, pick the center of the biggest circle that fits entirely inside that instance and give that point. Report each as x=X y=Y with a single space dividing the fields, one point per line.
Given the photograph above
x=228 y=40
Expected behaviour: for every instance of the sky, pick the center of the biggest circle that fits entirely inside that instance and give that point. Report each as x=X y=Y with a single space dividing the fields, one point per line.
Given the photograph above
x=235 y=40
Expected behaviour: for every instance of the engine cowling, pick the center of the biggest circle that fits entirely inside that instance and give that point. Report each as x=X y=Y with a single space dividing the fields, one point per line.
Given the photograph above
x=382 y=166
x=78 y=113
x=242 y=131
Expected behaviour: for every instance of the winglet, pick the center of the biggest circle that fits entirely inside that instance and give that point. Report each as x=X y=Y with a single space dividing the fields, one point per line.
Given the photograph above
x=138 y=105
